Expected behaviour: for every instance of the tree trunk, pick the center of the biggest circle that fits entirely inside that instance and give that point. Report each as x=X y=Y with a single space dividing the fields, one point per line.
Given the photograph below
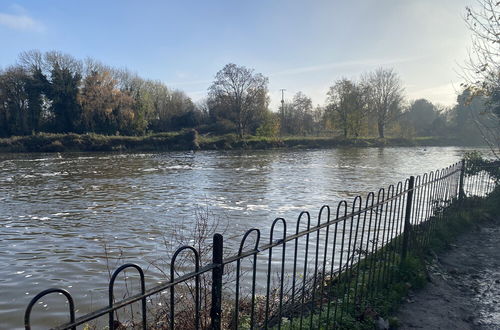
x=381 y=130
x=240 y=130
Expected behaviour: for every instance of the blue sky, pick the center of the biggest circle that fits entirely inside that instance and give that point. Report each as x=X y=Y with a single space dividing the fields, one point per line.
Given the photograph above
x=300 y=45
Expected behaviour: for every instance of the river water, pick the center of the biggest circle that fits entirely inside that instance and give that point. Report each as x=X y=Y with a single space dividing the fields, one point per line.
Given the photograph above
x=65 y=219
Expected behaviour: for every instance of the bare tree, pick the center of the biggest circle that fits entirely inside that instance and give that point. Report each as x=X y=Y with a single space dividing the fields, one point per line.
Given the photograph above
x=32 y=59
x=482 y=67
x=385 y=96
x=239 y=95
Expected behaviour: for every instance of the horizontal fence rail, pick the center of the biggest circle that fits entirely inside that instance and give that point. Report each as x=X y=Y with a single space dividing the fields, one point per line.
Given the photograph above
x=309 y=274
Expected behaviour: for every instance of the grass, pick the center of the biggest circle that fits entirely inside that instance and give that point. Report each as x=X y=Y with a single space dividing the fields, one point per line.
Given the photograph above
x=190 y=140
x=232 y=141
x=47 y=142
x=374 y=288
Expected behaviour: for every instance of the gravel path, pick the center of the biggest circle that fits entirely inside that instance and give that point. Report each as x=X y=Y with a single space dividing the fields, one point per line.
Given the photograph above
x=464 y=288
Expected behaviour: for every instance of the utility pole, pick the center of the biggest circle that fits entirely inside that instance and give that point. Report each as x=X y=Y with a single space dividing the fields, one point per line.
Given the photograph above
x=282 y=123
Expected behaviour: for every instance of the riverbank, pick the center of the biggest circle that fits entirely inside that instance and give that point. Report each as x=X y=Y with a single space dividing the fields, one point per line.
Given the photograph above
x=453 y=284
x=463 y=282
x=191 y=140
x=462 y=275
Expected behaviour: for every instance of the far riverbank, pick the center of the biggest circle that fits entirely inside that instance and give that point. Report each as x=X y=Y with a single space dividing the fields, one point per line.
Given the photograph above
x=191 y=140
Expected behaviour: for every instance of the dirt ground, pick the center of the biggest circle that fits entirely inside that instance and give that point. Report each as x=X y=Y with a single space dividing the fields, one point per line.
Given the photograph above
x=464 y=287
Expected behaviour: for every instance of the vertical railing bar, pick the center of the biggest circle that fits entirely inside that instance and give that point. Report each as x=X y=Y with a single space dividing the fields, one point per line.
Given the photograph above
x=357 y=300
x=376 y=274
x=313 y=302
x=332 y=295
x=325 y=256
x=217 y=272
x=306 y=255
x=407 y=225
x=340 y=282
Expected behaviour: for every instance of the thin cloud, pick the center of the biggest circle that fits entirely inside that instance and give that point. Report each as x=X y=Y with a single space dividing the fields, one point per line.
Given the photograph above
x=20 y=22
x=345 y=64
x=192 y=82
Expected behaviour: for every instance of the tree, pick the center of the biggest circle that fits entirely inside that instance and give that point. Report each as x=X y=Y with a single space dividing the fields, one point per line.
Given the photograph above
x=165 y=109
x=346 y=105
x=297 y=116
x=303 y=108
x=37 y=85
x=385 y=96
x=465 y=114
x=65 y=78
x=63 y=92
x=318 y=116
x=98 y=100
x=482 y=68
x=240 y=96
x=420 y=116
x=270 y=125
x=14 y=105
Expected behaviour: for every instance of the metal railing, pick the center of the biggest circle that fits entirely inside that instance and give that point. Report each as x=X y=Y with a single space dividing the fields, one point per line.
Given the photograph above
x=305 y=277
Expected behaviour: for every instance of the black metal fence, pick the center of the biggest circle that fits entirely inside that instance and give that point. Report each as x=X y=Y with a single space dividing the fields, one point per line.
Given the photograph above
x=309 y=276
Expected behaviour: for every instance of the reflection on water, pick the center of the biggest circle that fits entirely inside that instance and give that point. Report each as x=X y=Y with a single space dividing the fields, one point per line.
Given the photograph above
x=58 y=210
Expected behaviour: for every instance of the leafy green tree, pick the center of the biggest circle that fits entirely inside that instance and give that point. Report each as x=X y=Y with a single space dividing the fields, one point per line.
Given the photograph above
x=63 y=93
x=270 y=126
x=14 y=110
x=346 y=106
x=420 y=116
x=465 y=117
x=36 y=87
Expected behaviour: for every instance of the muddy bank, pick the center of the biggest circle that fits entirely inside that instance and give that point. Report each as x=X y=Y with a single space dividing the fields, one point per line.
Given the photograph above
x=191 y=140
x=230 y=142
x=187 y=140
x=464 y=287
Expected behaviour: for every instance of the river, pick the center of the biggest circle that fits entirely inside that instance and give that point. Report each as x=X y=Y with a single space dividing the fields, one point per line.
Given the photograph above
x=66 y=218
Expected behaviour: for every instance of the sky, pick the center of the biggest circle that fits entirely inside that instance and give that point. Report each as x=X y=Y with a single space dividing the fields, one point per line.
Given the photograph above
x=299 y=45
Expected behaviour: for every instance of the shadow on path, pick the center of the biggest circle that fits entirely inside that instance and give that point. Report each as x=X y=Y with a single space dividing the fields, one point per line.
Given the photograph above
x=464 y=288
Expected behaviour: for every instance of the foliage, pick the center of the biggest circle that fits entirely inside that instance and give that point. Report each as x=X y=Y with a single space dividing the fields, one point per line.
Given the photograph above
x=420 y=117
x=56 y=93
x=475 y=163
x=297 y=117
x=270 y=126
x=482 y=68
x=240 y=96
x=385 y=96
x=347 y=106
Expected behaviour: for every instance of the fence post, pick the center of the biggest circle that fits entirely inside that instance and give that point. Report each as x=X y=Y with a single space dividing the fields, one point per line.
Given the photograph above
x=461 y=192
x=217 y=259
x=407 y=228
